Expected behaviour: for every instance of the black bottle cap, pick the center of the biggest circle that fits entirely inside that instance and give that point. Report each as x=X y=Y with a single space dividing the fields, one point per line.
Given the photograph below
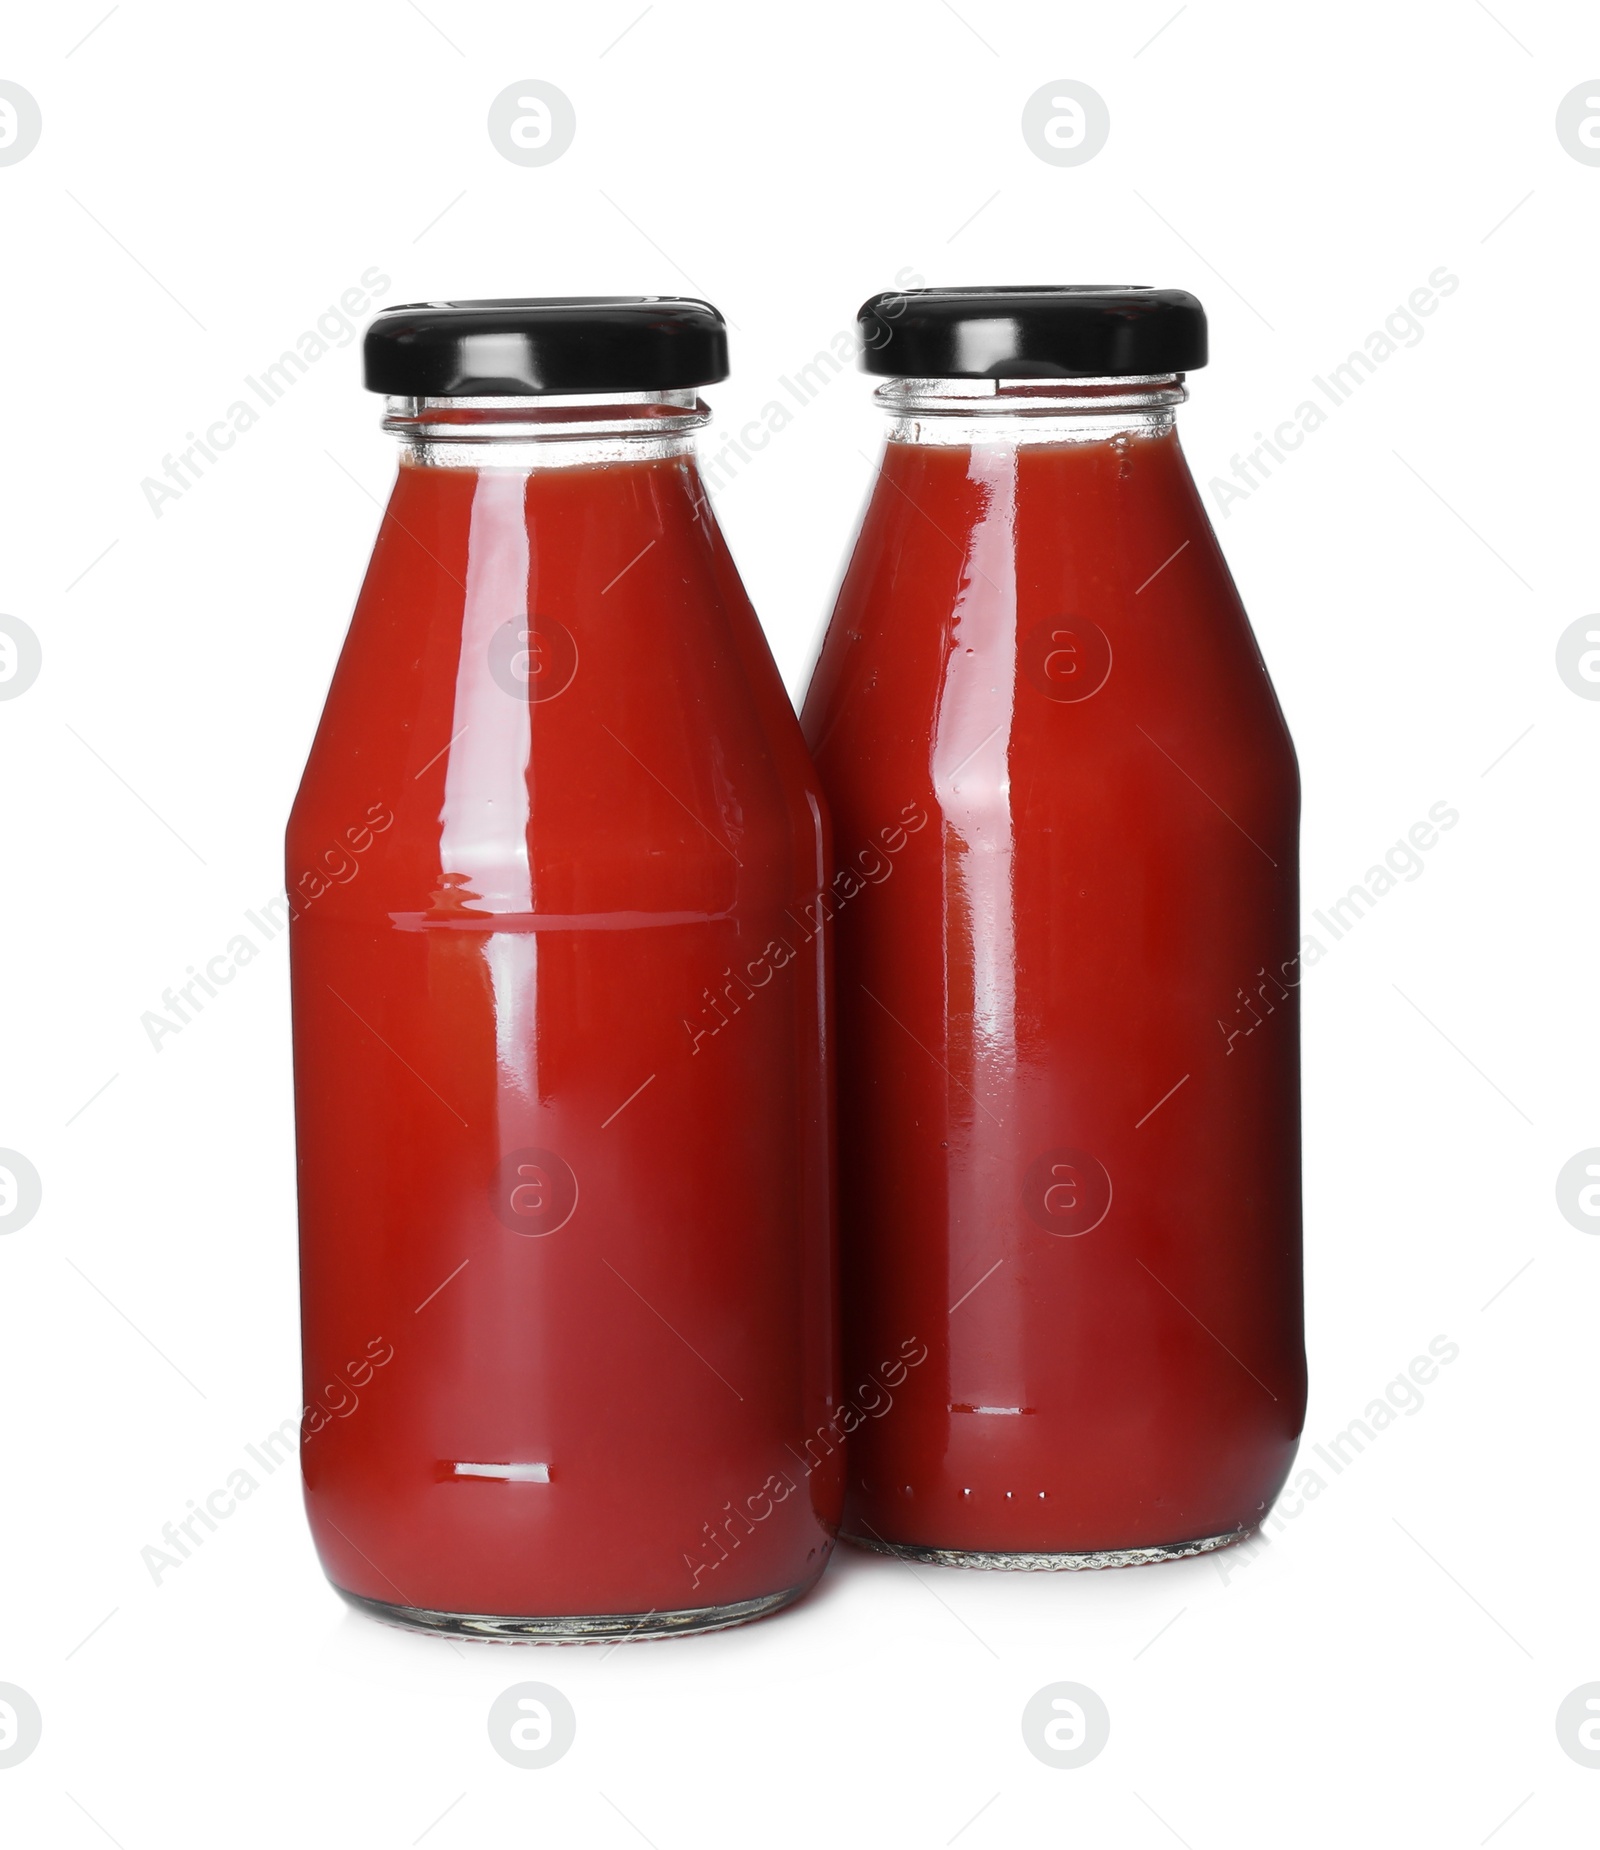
x=521 y=347
x=1082 y=331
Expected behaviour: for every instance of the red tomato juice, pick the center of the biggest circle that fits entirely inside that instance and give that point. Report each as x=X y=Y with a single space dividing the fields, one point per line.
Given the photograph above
x=1069 y=1090
x=563 y=1080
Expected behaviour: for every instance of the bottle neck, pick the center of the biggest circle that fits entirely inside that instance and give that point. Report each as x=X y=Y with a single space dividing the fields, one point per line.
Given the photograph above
x=549 y=432
x=966 y=412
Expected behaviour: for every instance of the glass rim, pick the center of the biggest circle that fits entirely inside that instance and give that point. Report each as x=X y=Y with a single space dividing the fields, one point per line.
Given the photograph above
x=1032 y=397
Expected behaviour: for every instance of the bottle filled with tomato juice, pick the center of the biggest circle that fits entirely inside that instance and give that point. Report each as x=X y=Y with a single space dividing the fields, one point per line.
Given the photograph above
x=1068 y=1033
x=560 y=969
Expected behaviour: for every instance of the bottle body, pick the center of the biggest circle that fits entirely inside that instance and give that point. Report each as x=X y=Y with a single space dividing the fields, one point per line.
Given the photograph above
x=1069 y=1105
x=563 y=1105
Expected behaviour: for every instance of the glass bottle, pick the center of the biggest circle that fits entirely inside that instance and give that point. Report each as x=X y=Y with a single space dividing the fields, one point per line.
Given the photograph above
x=1067 y=978
x=562 y=1075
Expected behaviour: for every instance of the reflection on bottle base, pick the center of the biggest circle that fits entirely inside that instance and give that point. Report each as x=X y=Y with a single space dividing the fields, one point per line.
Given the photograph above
x=577 y=1628
x=1048 y=1563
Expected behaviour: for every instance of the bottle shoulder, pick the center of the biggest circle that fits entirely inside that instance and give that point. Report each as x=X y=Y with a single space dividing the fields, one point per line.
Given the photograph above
x=1063 y=574
x=588 y=704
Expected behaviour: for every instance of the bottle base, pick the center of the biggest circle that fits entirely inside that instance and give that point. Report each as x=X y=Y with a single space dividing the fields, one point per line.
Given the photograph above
x=1042 y=1563
x=575 y=1628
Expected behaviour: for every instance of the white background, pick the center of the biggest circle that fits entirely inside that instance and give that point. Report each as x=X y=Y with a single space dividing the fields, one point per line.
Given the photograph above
x=209 y=179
